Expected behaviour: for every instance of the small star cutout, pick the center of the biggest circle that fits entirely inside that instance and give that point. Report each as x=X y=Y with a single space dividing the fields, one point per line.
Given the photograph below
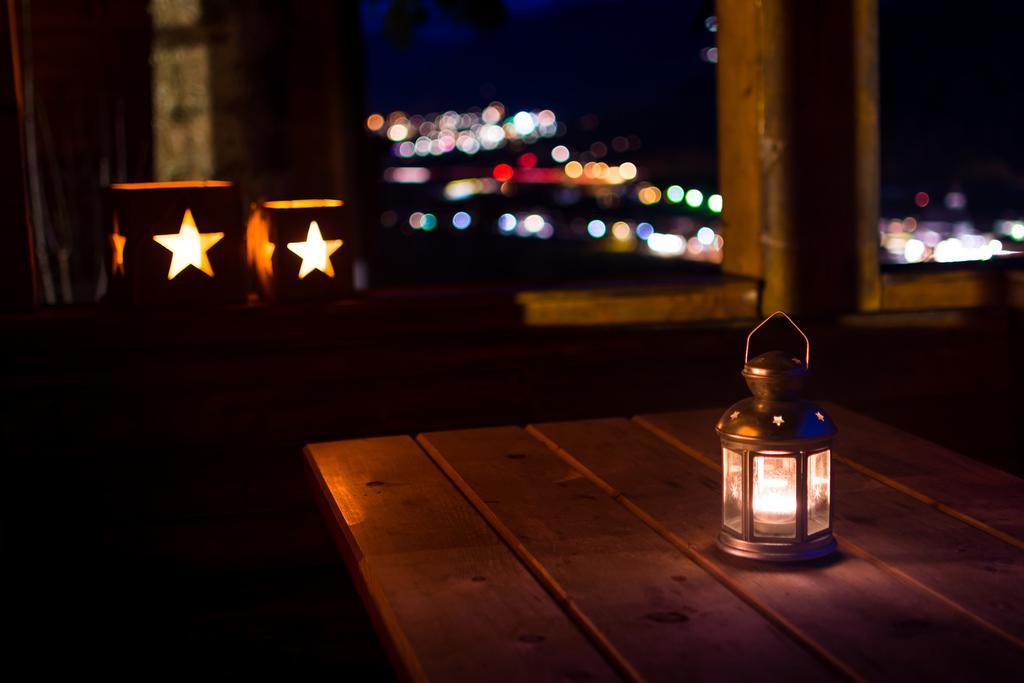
x=821 y=418
x=188 y=247
x=778 y=420
x=315 y=252
x=734 y=415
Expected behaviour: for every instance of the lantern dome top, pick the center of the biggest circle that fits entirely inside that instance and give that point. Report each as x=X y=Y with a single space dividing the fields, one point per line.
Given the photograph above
x=763 y=423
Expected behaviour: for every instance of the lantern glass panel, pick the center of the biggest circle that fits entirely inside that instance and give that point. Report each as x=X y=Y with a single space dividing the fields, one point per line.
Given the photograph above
x=774 y=496
x=732 y=490
x=819 y=491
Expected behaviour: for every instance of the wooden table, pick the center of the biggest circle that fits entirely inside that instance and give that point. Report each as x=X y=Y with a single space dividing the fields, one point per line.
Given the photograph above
x=586 y=551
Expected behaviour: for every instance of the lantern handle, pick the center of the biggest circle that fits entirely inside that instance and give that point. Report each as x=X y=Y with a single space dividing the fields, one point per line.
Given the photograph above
x=807 y=342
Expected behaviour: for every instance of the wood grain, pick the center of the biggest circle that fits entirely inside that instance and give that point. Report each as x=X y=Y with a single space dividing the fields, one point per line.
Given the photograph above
x=450 y=600
x=862 y=614
x=659 y=610
x=972 y=569
x=957 y=483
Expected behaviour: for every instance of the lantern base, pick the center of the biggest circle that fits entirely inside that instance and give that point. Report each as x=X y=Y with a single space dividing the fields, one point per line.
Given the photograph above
x=775 y=551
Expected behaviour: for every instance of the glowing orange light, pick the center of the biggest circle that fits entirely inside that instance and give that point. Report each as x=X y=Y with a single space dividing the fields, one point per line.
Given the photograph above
x=574 y=169
x=117 y=241
x=315 y=252
x=503 y=173
x=171 y=184
x=188 y=247
x=302 y=203
x=375 y=122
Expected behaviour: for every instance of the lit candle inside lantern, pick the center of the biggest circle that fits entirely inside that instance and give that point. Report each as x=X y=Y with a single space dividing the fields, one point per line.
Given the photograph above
x=774 y=499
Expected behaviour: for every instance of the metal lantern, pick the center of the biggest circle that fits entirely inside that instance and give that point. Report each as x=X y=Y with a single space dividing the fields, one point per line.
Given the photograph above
x=776 y=463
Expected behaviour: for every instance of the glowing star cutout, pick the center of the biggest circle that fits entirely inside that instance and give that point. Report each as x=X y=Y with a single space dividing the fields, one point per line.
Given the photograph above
x=188 y=247
x=821 y=418
x=315 y=252
x=117 y=241
x=734 y=415
x=778 y=420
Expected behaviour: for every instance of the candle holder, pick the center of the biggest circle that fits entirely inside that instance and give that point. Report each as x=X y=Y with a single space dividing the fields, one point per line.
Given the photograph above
x=776 y=463
x=301 y=249
x=176 y=243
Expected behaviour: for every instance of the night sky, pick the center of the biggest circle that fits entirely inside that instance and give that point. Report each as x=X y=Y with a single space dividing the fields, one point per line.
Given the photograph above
x=952 y=86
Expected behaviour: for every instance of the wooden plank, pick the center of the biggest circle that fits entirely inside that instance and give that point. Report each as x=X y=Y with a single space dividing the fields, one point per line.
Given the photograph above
x=979 y=573
x=862 y=614
x=661 y=612
x=946 y=480
x=922 y=290
x=706 y=300
x=449 y=599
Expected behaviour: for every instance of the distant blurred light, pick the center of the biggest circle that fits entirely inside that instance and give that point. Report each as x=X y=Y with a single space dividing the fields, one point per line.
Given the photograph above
x=422 y=146
x=491 y=136
x=416 y=220
x=620 y=230
x=546 y=117
x=644 y=230
x=528 y=160
x=374 y=122
x=955 y=200
x=910 y=224
x=694 y=246
x=694 y=198
x=715 y=203
x=524 y=123
x=598 y=149
x=995 y=246
x=407 y=174
x=560 y=154
x=1017 y=231
x=468 y=144
x=674 y=194
x=493 y=112
x=406 y=149
x=596 y=228
x=706 y=236
x=507 y=222
x=546 y=232
x=921 y=199
x=627 y=170
x=398 y=132
x=503 y=172
x=574 y=169
x=429 y=222
x=665 y=244
x=709 y=55
x=533 y=223
x=461 y=220
x=913 y=251
x=649 y=194
x=711 y=24
x=620 y=143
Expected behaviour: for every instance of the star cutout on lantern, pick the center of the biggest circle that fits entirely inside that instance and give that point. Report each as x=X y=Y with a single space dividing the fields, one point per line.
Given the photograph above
x=117 y=241
x=778 y=420
x=188 y=247
x=315 y=252
x=734 y=415
x=821 y=418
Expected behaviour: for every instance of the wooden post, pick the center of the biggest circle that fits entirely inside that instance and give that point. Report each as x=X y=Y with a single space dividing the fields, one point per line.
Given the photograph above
x=17 y=272
x=798 y=151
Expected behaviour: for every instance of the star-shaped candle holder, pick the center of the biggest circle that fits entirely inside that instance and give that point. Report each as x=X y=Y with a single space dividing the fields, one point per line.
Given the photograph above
x=176 y=242
x=301 y=249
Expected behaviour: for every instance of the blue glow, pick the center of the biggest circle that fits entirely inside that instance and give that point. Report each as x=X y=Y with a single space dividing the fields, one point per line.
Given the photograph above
x=461 y=220
x=644 y=230
x=596 y=228
x=507 y=222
